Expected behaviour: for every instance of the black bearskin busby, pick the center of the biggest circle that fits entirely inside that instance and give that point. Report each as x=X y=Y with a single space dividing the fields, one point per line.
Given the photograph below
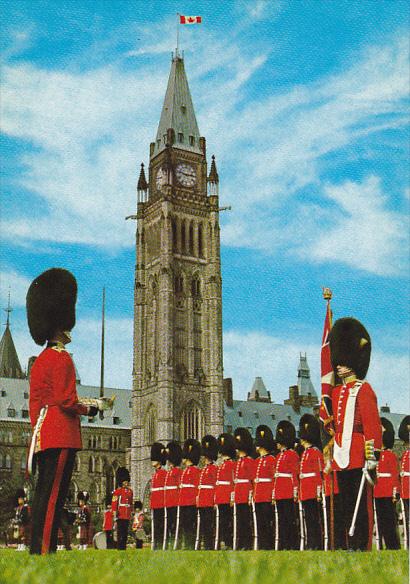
x=191 y=450
x=388 y=433
x=137 y=505
x=243 y=441
x=209 y=447
x=404 y=429
x=122 y=475
x=20 y=494
x=309 y=430
x=82 y=496
x=226 y=445
x=285 y=434
x=158 y=453
x=50 y=304
x=350 y=345
x=264 y=438
x=174 y=453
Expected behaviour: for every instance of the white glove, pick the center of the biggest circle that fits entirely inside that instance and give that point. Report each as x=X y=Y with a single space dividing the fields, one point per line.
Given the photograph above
x=104 y=403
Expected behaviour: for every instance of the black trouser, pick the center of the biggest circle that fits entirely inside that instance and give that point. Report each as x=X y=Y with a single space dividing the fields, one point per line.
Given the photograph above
x=171 y=523
x=122 y=533
x=55 y=467
x=264 y=520
x=338 y=523
x=406 y=519
x=313 y=521
x=244 y=527
x=109 y=539
x=349 y=484
x=387 y=523
x=187 y=527
x=225 y=524
x=206 y=528
x=288 y=531
x=158 y=528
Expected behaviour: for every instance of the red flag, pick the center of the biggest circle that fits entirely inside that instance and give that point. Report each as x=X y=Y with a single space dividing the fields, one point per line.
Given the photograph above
x=190 y=19
x=325 y=411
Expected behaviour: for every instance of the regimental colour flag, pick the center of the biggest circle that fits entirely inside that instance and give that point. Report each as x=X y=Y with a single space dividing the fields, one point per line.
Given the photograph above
x=327 y=381
x=190 y=19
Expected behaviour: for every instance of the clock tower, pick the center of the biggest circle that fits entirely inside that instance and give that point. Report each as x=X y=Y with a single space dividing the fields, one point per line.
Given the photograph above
x=178 y=368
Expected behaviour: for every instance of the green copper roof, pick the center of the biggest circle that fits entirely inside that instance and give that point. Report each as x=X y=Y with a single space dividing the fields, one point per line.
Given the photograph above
x=304 y=382
x=178 y=112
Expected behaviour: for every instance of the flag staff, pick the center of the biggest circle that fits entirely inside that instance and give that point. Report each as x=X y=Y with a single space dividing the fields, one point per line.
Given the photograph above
x=102 y=350
x=177 y=51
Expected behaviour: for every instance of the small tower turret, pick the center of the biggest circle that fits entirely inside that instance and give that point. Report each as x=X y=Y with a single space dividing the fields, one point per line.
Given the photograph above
x=142 y=187
x=213 y=179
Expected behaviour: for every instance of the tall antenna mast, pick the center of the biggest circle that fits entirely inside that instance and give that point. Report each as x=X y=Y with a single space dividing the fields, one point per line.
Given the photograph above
x=102 y=350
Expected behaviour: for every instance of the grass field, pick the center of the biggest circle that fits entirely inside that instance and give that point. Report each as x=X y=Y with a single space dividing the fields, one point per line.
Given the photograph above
x=146 y=567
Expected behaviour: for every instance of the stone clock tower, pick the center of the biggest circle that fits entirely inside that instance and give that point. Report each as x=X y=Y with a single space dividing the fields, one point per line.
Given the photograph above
x=178 y=368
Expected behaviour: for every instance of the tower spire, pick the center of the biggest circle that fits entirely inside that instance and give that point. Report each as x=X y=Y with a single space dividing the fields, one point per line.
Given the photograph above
x=142 y=186
x=9 y=310
x=213 y=178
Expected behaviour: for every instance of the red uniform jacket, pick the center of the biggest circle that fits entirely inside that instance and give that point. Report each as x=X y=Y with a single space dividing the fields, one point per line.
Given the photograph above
x=224 y=482
x=122 y=499
x=206 y=487
x=171 y=486
x=388 y=483
x=310 y=476
x=52 y=384
x=264 y=476
x=366 y=424
x=108 y=520
x=157 y=489
x=245 y=469
x=188 y=487
x=405 y=475
x=327 y=477
x=286 y=475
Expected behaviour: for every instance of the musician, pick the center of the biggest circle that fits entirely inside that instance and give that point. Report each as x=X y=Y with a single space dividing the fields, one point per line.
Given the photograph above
x=243 y=490
x=206 y=494
x=285 y=487
x=224 y=491
x=122 y=499
x=358 y=435
x=171 y=488
x=138 y=525
x=404 y=430
x=83 y=520
x=108 y=522
x=263 y=487
x=188 y=491
x=22 y=520
x=157 y=498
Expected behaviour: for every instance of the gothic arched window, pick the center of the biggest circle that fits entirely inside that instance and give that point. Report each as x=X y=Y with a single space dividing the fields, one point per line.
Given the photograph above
x=200 y=241
x=174 y=235
x=183 y=237
x=191 y=239
x=91 y=464
x=8 y=462
x=192 y=422
x=150 y=425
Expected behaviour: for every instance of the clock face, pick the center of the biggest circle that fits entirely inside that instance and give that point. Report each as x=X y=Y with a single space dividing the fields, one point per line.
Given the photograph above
x=160 y=178
x=185 y=174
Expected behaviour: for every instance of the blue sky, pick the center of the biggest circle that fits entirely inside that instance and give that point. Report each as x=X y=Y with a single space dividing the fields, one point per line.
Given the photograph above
x=304 y=104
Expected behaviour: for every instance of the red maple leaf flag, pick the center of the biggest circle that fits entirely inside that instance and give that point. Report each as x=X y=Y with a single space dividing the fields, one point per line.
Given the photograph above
x=190 y=19
x=325 y=411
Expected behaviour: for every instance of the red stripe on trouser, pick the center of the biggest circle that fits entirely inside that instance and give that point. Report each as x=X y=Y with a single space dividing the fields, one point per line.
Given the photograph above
x=48 y=524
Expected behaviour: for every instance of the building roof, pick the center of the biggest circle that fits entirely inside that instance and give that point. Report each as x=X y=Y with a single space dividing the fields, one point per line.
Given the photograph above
x=9 y=361
x=258 y=390
x=305 y=384
x=178 y=111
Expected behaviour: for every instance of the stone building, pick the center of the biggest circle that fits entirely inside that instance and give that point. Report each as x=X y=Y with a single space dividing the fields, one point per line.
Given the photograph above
x=178 y=369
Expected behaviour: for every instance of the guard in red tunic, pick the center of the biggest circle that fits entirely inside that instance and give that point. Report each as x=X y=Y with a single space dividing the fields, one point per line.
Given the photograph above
x=171 y=492
x=263 y=487
x=122 y=503
x=83 y=520
x=108 y=522
x=405 y=477
x=157 y=498
x=358 y=434
x=310 y=481
x=55 y=409
x=224 y=487
x=243 y=480
x=188 y=491
x=386 y=490
x=285 y=487
x=206 y=495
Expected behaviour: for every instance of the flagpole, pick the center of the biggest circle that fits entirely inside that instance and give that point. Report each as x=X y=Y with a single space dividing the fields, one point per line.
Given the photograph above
x=102 y=349
x=177 y=51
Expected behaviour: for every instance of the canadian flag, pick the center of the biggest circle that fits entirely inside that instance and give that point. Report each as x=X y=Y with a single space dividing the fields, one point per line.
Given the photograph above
x=190 y=19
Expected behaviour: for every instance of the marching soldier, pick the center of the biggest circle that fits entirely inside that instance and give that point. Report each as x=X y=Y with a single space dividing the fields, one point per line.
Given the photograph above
x=285 y=487
x=108 y=522
x=55 y=409
x=242 y=497
x=83 y=520
x=263 y=487
x=188 y=491
x=224 y=491
x=158 y=460
x=22 y=520
x=405 y=477
x=206 y=494
x=171 y=488
x=386 y=490
x=122 y=499
x=310 y=480
x=357 y=424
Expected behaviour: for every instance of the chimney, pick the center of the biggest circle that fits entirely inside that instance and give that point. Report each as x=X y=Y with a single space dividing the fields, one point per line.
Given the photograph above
x=228 y=391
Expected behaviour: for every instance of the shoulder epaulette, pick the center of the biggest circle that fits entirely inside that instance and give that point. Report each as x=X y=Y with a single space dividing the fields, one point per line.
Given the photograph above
x=59 y=347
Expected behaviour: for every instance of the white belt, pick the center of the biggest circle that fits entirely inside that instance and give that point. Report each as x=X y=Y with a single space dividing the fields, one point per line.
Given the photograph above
x=237 y=481
x=284 y=475
x=170 y=487
x=262 y=480
x=124 y=505
x=183 y=485
x=404 y=473
x=223 y=483
x=384 y=475
x=305 y=475
x=158 y=489
x=205 y=486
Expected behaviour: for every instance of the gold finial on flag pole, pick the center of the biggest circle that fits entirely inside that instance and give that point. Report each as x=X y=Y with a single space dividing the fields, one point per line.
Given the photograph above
x=327 y=293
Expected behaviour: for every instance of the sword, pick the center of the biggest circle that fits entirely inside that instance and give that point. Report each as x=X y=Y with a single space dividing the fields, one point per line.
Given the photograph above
x=33 y=441
x=255 y=527
x=234 y=528
x=164 y=541
x=198 y=524
x=217 y=529
x=302 y=527
x=177 y=530
x=356 y=509
x=403 y=512
x=376 y=525
x=276 y=528
x=325 y=527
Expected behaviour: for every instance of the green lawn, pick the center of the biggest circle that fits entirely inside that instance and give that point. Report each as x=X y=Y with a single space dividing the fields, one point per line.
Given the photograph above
x=146 y=567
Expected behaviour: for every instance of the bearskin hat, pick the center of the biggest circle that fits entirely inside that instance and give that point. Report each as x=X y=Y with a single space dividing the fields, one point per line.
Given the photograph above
x=137 y=505
x=404 y=429
x=158 y=453
x=209 y=447
x=20 y=494
x=388 y=434
x=82 y=496
x=174 y=453
x=192 y=450
x=50 y=304
x=264 y=438
x=309 y=430
x=285 y=434
x=350 y=345
x=122 y=475
x=243 y=441
x=226 y=445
